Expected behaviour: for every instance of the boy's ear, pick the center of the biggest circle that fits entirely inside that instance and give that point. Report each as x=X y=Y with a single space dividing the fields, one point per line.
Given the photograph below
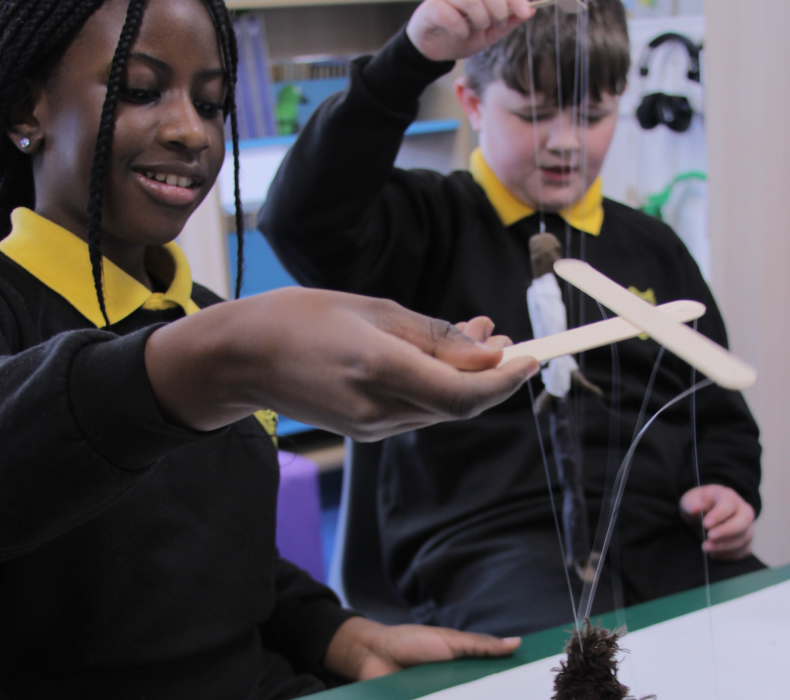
x=470 y=102
x=24 y=127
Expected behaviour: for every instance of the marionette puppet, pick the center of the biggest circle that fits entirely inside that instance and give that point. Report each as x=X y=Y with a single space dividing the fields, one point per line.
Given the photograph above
x=590 y=671
x=548 y=317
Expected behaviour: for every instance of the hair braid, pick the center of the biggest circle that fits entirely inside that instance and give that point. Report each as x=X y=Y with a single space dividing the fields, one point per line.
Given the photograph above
x=101 y=156
x=230 y=59
x=34 y=34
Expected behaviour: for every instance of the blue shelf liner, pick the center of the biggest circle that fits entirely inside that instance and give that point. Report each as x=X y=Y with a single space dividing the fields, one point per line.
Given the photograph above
x=431 y=126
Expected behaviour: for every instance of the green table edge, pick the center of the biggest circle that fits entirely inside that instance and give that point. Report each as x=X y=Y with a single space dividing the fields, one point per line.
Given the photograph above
x=430 y=678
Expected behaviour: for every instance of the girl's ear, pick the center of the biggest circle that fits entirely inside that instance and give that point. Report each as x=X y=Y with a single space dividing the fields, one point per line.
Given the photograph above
x=24 y=126
x=470 y=102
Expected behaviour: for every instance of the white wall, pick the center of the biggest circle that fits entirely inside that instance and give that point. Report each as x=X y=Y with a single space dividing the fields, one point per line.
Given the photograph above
x=748 y=105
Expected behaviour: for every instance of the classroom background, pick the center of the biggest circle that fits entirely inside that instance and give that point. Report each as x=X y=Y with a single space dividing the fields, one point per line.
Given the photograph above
x=721 y=184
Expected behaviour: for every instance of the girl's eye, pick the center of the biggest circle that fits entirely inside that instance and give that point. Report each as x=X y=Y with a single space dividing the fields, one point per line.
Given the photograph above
x=209 y=110
x=138 y=96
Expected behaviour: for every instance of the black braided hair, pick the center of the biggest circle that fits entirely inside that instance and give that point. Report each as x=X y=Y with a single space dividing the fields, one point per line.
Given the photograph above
x=34 y=36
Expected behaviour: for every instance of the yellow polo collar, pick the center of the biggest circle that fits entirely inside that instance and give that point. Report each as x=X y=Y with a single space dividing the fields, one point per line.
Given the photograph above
x=60 y=260
x=585 y=215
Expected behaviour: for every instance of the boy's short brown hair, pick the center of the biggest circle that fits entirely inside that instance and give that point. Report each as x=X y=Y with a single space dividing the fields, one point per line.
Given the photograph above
x=602 y=34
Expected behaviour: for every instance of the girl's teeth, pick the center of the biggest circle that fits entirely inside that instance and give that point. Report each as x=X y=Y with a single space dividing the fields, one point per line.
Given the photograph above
x=171 y=179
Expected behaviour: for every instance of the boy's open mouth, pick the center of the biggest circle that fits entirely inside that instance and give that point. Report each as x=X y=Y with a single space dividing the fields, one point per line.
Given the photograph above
x=558 y=173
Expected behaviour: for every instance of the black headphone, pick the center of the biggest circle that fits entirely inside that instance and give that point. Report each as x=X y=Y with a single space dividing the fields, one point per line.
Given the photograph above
x=672 y=110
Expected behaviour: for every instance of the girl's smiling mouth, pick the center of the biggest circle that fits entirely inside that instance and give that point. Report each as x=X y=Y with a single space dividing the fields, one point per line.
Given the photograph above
x=168 y=187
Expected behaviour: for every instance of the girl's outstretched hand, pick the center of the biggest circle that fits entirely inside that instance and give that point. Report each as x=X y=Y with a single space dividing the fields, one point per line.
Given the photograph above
x=446 y=30
x=362 y=367
x=363 y=649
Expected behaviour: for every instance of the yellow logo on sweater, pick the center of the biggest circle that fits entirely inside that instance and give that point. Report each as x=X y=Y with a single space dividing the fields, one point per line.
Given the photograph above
x=650 y=297
x=268 y=419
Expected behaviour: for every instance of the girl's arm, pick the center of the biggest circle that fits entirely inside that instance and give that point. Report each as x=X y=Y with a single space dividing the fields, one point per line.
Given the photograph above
x=367 y=368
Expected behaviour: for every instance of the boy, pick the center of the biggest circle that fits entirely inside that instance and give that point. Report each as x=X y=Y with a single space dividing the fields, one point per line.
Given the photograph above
x=468 y=534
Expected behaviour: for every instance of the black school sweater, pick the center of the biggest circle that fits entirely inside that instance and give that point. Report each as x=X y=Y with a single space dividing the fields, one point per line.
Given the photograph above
x=340 y=216
x=137 y=558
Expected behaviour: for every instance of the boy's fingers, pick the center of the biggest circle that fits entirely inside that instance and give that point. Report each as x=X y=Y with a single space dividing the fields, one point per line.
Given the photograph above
x=723 y=510
x=521 y=9
x=735 y=526
x=694 y=502
x=498 y=10
x=449 y=17
x=475 y=12
x=731 y=548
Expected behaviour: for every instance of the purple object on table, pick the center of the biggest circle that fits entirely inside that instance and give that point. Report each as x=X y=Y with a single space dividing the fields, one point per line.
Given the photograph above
x=299 y=514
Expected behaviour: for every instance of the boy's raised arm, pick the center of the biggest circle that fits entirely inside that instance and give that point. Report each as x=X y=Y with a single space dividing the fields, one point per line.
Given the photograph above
x=337 y=213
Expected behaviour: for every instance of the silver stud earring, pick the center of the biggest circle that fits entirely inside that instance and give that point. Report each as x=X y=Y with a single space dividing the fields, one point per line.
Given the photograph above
x=25 y=143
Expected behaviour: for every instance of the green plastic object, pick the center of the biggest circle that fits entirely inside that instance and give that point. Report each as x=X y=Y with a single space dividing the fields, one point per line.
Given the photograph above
x=655 y=202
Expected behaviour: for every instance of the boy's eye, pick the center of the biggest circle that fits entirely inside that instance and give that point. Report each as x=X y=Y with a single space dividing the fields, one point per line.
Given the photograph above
x=537 y=117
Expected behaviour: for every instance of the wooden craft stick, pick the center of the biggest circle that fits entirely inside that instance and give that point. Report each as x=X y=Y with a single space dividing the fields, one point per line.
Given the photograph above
x=711 y=359
x=596 y=335
x=569 y=6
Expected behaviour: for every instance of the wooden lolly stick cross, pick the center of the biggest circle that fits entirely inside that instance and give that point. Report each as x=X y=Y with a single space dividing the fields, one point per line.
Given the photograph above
x=596 y=335
x=700 y=352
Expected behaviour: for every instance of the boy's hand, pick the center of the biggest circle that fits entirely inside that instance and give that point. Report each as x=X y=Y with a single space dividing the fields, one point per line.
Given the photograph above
x=446 y=30
x=728 y=520
x=363 y=649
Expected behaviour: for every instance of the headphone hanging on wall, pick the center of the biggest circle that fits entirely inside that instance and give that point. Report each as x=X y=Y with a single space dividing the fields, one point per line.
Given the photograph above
x=674 y=111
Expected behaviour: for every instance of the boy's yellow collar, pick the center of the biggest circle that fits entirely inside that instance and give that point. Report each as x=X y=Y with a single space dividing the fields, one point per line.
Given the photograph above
x=60 y=260
x=585 y=215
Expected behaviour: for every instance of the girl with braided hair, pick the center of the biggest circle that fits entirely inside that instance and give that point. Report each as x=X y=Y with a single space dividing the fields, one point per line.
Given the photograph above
x=137 y=479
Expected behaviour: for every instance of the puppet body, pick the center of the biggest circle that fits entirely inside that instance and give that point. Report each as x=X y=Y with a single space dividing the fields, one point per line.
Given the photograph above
x=548 y=316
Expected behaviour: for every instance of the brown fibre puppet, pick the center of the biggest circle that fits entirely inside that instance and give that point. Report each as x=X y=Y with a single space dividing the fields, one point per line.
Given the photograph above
x=590 y=673
x=547 y=315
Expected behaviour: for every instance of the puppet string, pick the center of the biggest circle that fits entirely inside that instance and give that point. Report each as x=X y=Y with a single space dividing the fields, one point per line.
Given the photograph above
x=705 y=567
x=588 y=593
x=533 y=101
x=553 y=505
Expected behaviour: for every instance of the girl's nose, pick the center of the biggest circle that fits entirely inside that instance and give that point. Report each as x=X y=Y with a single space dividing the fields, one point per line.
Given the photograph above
x=183 y=127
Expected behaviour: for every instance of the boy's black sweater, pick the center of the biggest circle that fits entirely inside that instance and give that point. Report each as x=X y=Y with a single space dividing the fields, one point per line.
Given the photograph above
x=137 y=558
x=340 y=216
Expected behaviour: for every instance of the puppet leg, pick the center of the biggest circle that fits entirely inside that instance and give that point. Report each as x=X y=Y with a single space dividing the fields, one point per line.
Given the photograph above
x=574 y=506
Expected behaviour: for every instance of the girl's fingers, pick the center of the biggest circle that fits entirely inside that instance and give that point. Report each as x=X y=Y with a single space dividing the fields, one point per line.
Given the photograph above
x=478 y=329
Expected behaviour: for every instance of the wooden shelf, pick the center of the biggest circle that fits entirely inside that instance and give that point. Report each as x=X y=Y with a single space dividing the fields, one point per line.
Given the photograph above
x=430 y=126
x=271 y=4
